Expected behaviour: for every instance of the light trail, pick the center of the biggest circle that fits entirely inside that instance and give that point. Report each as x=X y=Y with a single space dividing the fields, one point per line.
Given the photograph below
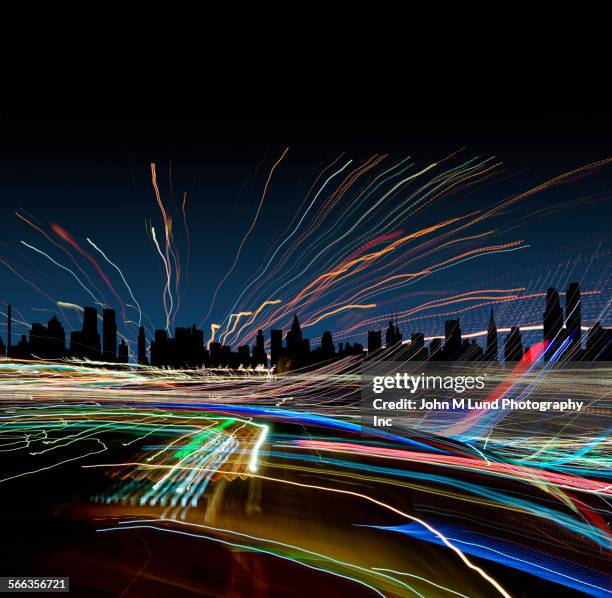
x=63 y=268
x=246 y=236
x=290 y=235
x=167 y=292
x=365 y=497
x=122 y=278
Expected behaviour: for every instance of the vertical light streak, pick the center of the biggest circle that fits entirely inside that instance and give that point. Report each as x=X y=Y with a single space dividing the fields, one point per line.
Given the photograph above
x=122 y=278
x=167 y=310
x=167 y=228
x=253 y=466
x=213 y=328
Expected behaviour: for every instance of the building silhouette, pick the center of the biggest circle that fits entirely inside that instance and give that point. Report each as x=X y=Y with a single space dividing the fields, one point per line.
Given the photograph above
x=325 y=352
x=416 y=349
x=513 y=345
x=244 y=355
x=374 y=340
x=393 y=335
x=347 y=349
x=328 y=350
x=491 y=354
x=142 y=347
x=293 y=341
x=85 y=343
x=573 y=317
x=259 y=356
x=46 y=341
x=186 y=349
x=452 y=340
x=553 y=322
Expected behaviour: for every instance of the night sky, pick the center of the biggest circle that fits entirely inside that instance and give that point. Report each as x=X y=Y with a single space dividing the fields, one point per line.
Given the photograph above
x=93 y=179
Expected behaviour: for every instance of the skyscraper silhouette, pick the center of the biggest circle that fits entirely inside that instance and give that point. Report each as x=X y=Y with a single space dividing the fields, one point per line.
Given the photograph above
x=159 y=348
x=573 y=318
x=327 y=345
x=513 y=347
x=393 y=335
x=86 y=342
x=56 y=338
x=294 y=339
x=374 y=340
x=244 y=355
x=142 y=347
x=491 y=354
x=553 y=322
x=452 y=340
x=38 y=340
x=214 y=349
x=259 y=356
x=109 y=335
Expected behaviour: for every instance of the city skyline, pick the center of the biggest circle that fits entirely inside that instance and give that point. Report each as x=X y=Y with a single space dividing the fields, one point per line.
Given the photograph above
x=561 y=329
x=251 y=223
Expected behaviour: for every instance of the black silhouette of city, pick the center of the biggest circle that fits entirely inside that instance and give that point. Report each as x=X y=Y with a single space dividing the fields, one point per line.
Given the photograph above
x=187 y=349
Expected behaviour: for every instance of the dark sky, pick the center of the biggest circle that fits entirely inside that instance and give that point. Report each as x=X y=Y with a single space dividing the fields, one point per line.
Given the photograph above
x=93 y=179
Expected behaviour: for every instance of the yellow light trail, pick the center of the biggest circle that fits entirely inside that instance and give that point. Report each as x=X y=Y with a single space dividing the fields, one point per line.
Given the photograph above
x=237 y=317
x=365 y=497
x=213 y=328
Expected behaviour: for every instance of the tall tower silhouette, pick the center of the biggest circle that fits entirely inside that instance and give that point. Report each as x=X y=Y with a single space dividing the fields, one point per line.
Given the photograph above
x=374 y=340
x=328 y=350
x=553 y=321
x=259 y=350
x=109 y=335
x=86 y=342
x=142 y=347
x=294 y=339
x=393 y=335
x=56 y=345
x=491 y=354
x=452 y=339
x=573 y=316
